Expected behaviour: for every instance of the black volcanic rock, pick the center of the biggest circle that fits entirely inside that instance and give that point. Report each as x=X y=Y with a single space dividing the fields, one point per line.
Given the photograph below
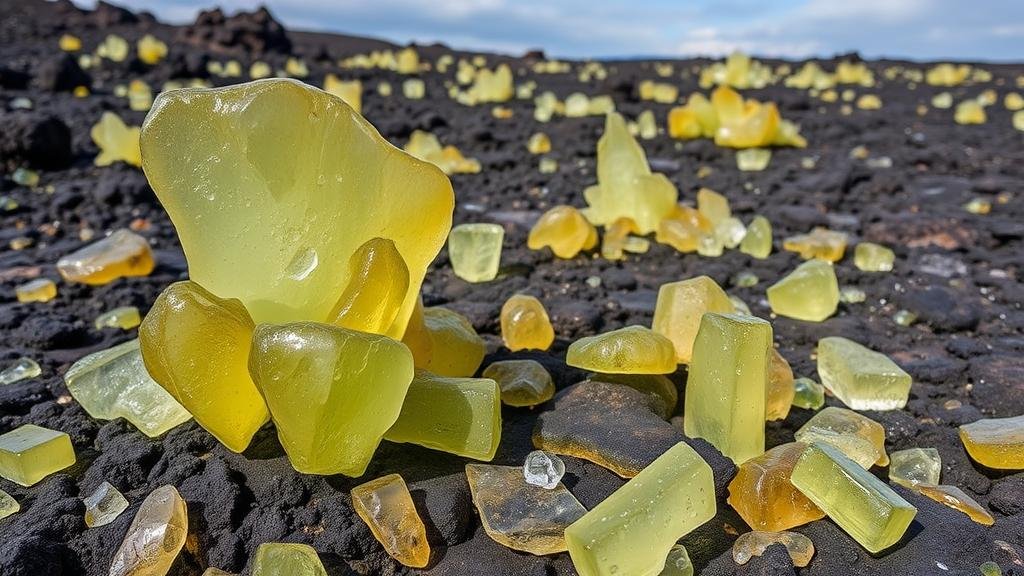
x=253 y=33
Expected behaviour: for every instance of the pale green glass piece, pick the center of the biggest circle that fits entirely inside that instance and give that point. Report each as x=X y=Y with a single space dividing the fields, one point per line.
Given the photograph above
x=522 y=382
x=114 y=383
x=726 y=388
x=758 y=241
x=811 y=292
x=809 y=394
x=277 y=559
x=23 y=368
x=860 y=438
x=753 y=159
x=863 y=379
x=104 y=505
x=475 y=251
x=870 y=257
x=754 y=543
x=679 y=308
x=123 y=317
x=155 y=537
x=678 y=562
x=629 y=350
x=30 y=453
x=633 y=530
x=730 y=232
x=457 y=415
x=8 y=505
x=852 y=295
x=915 y=466
x=862 y=505
x=990 y=569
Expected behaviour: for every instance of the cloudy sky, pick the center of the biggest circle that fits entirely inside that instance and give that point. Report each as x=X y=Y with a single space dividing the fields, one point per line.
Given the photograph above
x=917 y=29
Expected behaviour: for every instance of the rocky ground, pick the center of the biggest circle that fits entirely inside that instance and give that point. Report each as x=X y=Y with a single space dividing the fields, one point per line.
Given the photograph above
x=959 y=272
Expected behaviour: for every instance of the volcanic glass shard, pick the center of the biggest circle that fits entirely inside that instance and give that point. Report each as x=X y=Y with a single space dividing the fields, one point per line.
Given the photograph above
x=679 y=309
x=117 y=141
x=633 y=530
x=104 y=505
x=456 y=349
x=263 y=219
x=376 y=291
x=863 y=379
x=763 y=495
x=781 y=390
x=8 y=505
x=122 y=254
x=915 y=466
x=519 y=515
x=114 y=383
x=820 y=243
x=750 y=544
x=861 y=504
x=677 y=563
x=858 y=437
x=279 y=559
x=726 y=388
x=449 y=159
x=753 y=159
x=332 y=392
x=811 y=292
x=543 y=469
x=123 y=317
x=456 y=415
x=155 y=536
x=565 y=230
x=956 y=499
x=870 y=257
x=626 y=186
x=475 y=251
x=660 y=390
x=525 y=324
x=522 y=382
x=38 y=290
x=196 y=346
x=22 y=369
x=758 y=241
x=808 y=394
x=539 y=143
x=386 y=506
x=995 y=442
x=713 y=206
x=30 y=453
x=629 y=350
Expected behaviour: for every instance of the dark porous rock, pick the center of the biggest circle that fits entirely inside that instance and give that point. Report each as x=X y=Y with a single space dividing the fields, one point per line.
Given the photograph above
x=50 y=333
x=1007 y=496
x=12 y=79
x=943 y=309
x=446 y=507
x=254 y=33
x=998 y=381
x=40 y=139
x=35 y=555
x=61 y=73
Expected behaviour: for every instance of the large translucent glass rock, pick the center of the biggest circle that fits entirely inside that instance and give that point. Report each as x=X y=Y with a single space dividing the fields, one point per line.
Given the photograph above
x=155 y=536
x=679 y=309
x=196 y=346
x=119 y=255
x=727 y=385
x=626 y=186
x=915 y=466
x=117 y=141
x=114 y=383
x=808 y=394
x=30 y=453
x=677 y=563
x=763 y=495
x=456 y=349
x=386 y=506
x=811 y=292
x=869 y=257
x=475 y=251
x=525 y=324
x=750 y=544
x=377 y=289
x=278 y=559
x=264 y=220
x=995 y=442
x=861 y=504
x=104 y=505
x=820 y=243
x=332 y=392
x=38 y=290
x=781 y=390
x=522 y=382
x=863 y=379
x=8 y=505
x=956 y=499
x=122 y=317
x=519 y=515
x=565 y=230
x=457 y=415
x=21 y=369
x=629 y=350
x=758 y=241
x=633 y=530
x=660 y=390
x=543 y=469
x=860 y=438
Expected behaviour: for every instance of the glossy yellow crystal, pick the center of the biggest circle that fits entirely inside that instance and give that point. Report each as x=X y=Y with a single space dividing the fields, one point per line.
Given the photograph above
x=915 y=466
x=123 y=317
x=811 y=292
x=565 y=230
x=780 y=387
x=150 y=49
x=386 y=506
x=427 y=147
x=525 y=324
x=629 y=350
x=117 y=141
x=680 y=307
x=457 y=415
x=475 y=251
x=862 y=378
x=377 y=289
x=726 y=388
x=278 y=225
x=155 y=537
x=332 y=392
x=820 y=243
x=38 y=290
x=750 y=544
x=969 y=112
x=120 y=255
x=196 y=346
x=633 y=530
x=956 y=499
x=30 y=453
x=350 y=91
x=753 y=159
x=758 y=240
x=995 y=442
x=8 y=505
x=870 y=257
x=278 y=559
x=104 y=505
x=522 y=382
x=456 y=349
x=763 y=495
x=539 y=143
x=861 y=504
x=417 y=337
x=858 y=437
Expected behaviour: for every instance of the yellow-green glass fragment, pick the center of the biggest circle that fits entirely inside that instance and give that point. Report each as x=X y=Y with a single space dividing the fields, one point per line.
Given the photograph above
x=758 y=241
x=633 y=530
x=279 y=559
x=679 y=309
x=104 y=505
x=629 y=350
x=713 y=206
x=386 y=507
x=677 y=563
x=956 y=499
x=30 y=453
x=522 y=382
x=820 y=243
x=332 y=392
x=377 y=288
x=862 y=505
x=475 y=251
x=808 y=394
x=870 y=257
x=23 y=368
x=810 y=292
x=781 y=389
x=754 y=543
x=114 y=383
x=726 y=389
x=525 y=324
x=915 y=466
x=122 y=254
x=38 y=290
x=995 y=442
x=456 y=415
x=519 y=515
x=753 y=159
x=8 y=505
x=456 y=349
x=156 y=535
x=863 y=379
x=123 y=317
x=860 y=438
